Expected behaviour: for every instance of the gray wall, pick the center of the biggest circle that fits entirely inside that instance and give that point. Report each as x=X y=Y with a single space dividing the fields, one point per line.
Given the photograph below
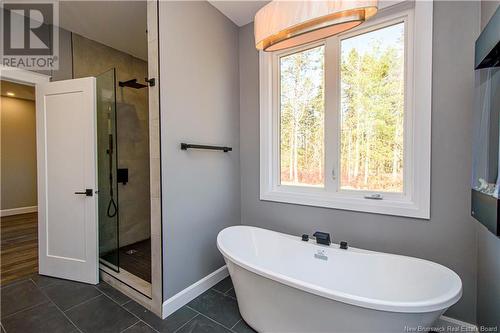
x=65 y=71
x=488 y=278
x=488 y=264
x=199 y=104
x=449 y=237
x=18 y=153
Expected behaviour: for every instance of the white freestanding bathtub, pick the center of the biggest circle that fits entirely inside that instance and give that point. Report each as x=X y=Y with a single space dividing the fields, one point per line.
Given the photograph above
x=286 y=285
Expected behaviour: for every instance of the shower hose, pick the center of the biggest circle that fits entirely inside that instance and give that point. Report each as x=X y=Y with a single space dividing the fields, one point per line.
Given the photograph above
x=112 y=208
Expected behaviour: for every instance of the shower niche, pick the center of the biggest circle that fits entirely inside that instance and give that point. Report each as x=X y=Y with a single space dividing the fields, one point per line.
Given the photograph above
x=123 y=176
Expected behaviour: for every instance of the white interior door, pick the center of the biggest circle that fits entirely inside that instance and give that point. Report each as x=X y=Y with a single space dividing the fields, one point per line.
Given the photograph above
x=67 y=179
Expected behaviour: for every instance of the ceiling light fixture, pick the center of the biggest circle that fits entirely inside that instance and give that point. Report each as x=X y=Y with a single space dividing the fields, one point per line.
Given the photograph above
x=9 y=93
x=284 y=24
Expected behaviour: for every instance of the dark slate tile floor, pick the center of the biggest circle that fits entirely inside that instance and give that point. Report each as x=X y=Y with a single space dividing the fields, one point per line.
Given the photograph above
x=43 y=304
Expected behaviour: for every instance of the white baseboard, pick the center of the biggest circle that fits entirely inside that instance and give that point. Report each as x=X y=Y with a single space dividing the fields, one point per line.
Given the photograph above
x=196 y=289
x=17 y=211
x=447 y=324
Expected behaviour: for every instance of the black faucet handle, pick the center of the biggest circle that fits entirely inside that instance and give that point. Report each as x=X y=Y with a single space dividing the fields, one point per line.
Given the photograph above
x=322 y=238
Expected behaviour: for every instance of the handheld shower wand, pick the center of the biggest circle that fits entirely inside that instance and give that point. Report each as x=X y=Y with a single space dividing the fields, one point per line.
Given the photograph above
x=112 y=208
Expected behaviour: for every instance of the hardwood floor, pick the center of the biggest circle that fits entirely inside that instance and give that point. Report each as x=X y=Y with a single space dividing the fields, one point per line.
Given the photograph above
x=19 y=250
x=19 y=247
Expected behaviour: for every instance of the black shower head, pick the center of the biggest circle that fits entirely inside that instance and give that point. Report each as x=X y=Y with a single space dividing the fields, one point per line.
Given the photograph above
x=132 y=84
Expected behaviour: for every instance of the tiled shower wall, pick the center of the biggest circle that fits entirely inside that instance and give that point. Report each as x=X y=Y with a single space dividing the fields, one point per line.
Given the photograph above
x=91 y=58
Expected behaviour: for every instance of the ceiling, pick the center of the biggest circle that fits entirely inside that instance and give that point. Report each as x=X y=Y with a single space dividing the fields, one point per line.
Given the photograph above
x=118 y=24
x=19 y=90
x=122 y=24
x=240 y=12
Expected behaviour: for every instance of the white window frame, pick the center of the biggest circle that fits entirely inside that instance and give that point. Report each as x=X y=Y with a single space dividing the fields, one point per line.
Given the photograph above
x=415 y=200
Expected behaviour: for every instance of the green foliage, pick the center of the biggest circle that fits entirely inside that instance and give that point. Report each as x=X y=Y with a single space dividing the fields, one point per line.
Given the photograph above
x=302 y=117
x=371 y=117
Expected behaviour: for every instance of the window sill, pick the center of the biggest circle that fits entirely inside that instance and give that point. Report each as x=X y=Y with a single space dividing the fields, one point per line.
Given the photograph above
x=386 y=206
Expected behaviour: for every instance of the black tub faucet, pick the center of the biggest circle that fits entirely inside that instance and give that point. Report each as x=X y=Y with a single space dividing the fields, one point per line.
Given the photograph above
x=322 y=238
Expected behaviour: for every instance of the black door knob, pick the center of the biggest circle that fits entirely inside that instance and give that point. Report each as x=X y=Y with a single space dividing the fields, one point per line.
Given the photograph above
x=88 y=192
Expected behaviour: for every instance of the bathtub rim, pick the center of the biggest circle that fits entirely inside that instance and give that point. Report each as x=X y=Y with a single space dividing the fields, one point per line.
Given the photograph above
x=441 y=302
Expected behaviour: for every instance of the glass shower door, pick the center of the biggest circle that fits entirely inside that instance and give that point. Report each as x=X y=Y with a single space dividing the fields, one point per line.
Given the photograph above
x=106 y=166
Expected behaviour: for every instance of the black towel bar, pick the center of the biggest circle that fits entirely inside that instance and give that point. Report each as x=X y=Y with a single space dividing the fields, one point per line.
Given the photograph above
x=186 y=146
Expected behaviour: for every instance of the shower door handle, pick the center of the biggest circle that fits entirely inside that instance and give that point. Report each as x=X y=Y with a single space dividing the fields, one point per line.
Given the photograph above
x=88 y=192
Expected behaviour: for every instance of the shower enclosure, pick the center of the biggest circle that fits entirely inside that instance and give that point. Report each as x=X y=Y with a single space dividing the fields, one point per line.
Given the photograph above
x=106 y=160
x=123 y=175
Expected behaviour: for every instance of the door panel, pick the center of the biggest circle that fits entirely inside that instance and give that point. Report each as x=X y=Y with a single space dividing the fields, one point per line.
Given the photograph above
x=67 y=168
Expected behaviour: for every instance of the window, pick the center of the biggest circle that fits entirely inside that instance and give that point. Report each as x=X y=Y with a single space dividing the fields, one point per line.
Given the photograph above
x=372 y=94
x=302 y=113
x=345 y=122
